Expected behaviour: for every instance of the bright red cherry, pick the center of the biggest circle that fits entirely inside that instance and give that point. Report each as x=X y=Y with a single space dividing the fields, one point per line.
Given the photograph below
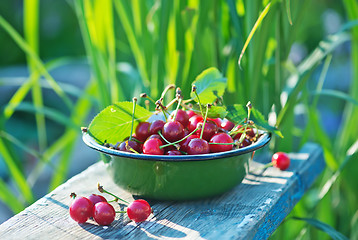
x=173 y=131
x=81 y=209
x=181 y=117
x=221 y=138
x=281 y=160
x=95 y=198
x=104 y=213
x=190 y=113
x=142 y=131
x=218 y=121
x=156 y=126
x=156 y=136
x=193 y=121
x=227 y=125
x=198 y=146
x=152 y=147
x=139 y=210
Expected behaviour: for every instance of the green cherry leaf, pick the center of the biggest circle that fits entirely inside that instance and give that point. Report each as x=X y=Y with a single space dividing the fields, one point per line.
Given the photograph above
x=217 y=112
x=209 y=85
x=113 y=124
x=238 y=112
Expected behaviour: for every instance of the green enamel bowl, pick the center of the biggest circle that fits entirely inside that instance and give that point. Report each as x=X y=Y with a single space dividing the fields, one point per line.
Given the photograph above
x=183 y=177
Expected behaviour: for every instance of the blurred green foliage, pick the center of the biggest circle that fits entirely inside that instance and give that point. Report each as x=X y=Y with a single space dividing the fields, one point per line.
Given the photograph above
x=142 y=46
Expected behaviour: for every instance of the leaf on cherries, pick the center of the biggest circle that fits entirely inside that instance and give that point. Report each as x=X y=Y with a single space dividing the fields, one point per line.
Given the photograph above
x=238 y=112
x=210 y=84
x=113 y=123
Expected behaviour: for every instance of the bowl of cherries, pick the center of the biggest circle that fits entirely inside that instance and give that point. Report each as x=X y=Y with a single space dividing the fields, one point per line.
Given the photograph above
x=186 y=149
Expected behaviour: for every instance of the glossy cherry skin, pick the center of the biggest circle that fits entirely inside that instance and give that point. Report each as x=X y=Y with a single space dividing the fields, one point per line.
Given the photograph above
x=156 y=126
x=246 y=142
x=142 y=131
x=104 y=213
x=152 y=147
x=95 y=198
x=184 y=144
x=133 y=144
x=218 y=121
x=193 y=122
x=198 y=146
x=181 y=117
x=156 y=136
x=139 y=210
x=190 y=113
x=173 y=131
x=227 y=125
x=81 y=209
x=210 y=129
x=281 y=160
x=221 y=138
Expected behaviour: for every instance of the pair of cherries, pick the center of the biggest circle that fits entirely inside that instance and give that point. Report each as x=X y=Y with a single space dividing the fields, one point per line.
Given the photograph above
x=185 y=132
x=98 y=208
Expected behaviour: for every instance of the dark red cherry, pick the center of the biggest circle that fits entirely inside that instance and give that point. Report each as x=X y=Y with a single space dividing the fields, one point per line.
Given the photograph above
x=156 y=136
x=173 y=152
x=184 y=144
x=218 y=121
x=190 y=113
x=152 y=147
x=181 y=117
x=221 y=138
x=156 y=126
x=198 y=146
x=133 y=144
x=173 y=131
x=246 y=142
x=209 y=130
x=142 y=131
x=193 y=122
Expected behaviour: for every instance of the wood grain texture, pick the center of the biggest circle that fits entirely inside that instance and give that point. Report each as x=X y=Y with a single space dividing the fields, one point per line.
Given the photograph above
x=252 y=210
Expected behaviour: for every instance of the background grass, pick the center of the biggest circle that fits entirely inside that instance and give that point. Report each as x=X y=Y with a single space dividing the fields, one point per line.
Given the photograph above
x=142 y=46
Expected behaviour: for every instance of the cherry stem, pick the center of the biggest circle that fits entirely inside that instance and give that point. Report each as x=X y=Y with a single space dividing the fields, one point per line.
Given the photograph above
x=206 y=115
x=133 y=112
x=121 y=211
x=144 y=95
x=265 y=166
x=176 y=111
x=161 y=135
x=169 y=143
x=233 y=143
x=170 y=86
x=197 y=96
x=73 y=195
x=102 y=190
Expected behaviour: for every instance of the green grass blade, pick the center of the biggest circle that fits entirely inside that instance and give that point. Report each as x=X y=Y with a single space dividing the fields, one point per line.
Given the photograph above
x=288 y=10
x=16 y=173
x=335 y=94
x=9 y=198
x=334 y=234
x=40 y=66
x=253 y=30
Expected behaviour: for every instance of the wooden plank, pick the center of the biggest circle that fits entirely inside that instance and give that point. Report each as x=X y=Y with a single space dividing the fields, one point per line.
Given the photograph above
x=252 y=210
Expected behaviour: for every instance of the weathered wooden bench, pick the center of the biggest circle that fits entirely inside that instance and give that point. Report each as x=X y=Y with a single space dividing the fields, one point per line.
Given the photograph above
x=252 y=210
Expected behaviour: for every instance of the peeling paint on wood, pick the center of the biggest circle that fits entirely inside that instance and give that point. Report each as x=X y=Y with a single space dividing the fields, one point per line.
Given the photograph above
x=252 y=210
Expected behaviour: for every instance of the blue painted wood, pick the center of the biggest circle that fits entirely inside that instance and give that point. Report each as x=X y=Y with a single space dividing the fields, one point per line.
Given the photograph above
x=252 y=210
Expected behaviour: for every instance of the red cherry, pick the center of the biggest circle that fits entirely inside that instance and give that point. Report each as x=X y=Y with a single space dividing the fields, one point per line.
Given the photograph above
x=152 y=147
x=184 y=144
x=281 y=160
x=156 y=126
x=209 y=130
x=218 y=121
x=190 y=113
x=181 y=117
x=81 y=209
x=193 y=121
x=221 y=138
x=104 y=213
x=139 y=210
x=173 y=152
x=133 y=144
x=173 y=131
x=95 y=198
x=246 y=142
x=227 y=125
x=198 y=146
x=142 y=131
